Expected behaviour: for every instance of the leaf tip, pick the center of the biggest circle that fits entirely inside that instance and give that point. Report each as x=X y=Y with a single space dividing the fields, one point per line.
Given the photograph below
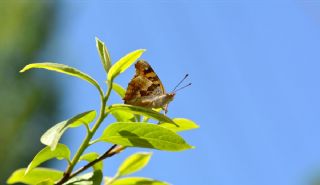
x=23 y=69
x=97 y=40
x=140 y=51
x=148 y=154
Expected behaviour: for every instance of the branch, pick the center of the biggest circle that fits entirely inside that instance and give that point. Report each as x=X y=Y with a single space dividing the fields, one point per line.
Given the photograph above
x=114 y=149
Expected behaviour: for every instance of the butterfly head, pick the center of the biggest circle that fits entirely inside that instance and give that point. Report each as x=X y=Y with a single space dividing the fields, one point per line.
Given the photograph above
x=170 y=96
x=167 y=99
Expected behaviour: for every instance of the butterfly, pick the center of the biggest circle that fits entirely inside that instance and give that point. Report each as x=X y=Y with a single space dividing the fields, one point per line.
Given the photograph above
x=146 y=89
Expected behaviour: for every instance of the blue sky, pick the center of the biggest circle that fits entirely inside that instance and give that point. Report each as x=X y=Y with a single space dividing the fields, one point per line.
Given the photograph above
x=255 y=73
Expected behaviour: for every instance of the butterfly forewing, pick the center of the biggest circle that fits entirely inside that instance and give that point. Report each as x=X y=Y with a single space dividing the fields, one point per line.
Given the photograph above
x=145 y=88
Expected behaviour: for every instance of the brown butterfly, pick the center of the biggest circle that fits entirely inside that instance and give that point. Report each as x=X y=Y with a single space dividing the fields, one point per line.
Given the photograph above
x=146 y=90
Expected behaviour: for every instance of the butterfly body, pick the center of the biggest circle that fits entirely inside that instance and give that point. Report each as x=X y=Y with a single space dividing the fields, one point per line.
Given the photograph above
x=146 y=90
x=156 y=102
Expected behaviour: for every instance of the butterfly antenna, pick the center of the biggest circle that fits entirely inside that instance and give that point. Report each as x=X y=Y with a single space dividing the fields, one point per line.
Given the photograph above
x=182 y=87
x=174 y=90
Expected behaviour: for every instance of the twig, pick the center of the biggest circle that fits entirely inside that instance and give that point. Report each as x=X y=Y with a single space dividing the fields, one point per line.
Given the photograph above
x=114 y=149
x=107 y=154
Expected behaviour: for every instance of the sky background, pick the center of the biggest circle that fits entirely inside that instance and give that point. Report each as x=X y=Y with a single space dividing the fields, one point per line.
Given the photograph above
x=255 y=74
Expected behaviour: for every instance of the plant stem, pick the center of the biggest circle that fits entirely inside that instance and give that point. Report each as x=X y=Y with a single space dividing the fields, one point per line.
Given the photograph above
x=75 y=159
x=86 y=141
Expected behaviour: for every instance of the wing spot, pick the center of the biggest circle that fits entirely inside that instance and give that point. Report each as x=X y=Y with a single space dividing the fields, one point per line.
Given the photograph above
x=147 y=70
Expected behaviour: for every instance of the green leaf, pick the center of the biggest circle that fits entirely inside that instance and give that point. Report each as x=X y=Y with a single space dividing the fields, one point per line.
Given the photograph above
x=141 y=111
x=46 y=182
x=143 y=135
x=104 y=54
x=138 y=181
x=92 y=178
x=61 y=152
x=52 y=136
x=124 y=63
x=118 y=89
x=91 y=157
x=134 y=163
x=122 y=116
x=183 y=125
x=36 y=176
x=83 y=118
x=146 y=119
x=61 y=68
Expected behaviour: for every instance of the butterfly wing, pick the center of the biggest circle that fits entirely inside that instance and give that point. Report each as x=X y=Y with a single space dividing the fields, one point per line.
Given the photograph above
x=144 y=86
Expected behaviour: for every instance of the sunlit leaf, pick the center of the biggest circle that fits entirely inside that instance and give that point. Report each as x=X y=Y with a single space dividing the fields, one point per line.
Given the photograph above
x=60 y=152
x=83 y=118
x=122 y=116
x=104 y=54
x=118 y=89
x=124 y=63
x=134 y=163
x=137 y=181
x=46 y=182
x=61 y=68
x=91 y=157
x=92 y=178
x=143 y=135
x=183 y=125
x=52 y=136
x=36 y=176
x=141 y=111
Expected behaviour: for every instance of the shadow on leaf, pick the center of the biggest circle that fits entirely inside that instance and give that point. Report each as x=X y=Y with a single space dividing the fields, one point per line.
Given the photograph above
x=135 y=140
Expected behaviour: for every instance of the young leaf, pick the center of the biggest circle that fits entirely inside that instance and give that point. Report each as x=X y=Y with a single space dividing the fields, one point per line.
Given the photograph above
x=91 y=157
x=183 y=125
x=104 y=54
x=92 y=178
x=143 y=135
x=122 y=64
x=52 y=136
x=61 y=68
x=134 y=163
x=141 y=111
x=83 y=118
x=137 y=181
x=36 y=176
x=61 y=152
x=118 y=89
